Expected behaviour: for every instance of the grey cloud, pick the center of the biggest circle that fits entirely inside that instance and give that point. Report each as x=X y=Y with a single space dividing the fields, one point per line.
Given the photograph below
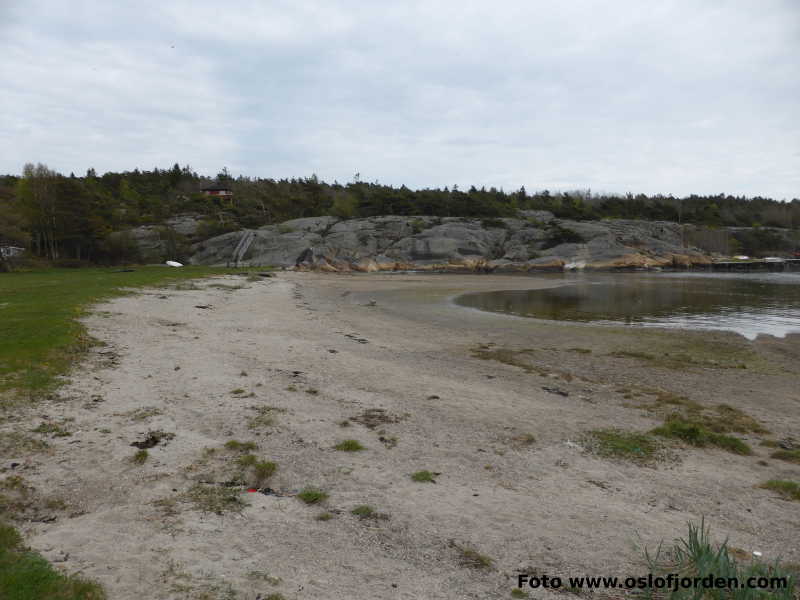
x=675 y=97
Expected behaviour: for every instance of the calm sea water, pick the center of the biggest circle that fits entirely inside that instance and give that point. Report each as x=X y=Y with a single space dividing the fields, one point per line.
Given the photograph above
x=748 y=304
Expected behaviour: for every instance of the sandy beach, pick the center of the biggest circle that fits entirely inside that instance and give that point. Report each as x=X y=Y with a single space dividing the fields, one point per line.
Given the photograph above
x=496 y=407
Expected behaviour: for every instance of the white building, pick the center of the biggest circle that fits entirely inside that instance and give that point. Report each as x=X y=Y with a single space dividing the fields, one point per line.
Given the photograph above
x=11 y=251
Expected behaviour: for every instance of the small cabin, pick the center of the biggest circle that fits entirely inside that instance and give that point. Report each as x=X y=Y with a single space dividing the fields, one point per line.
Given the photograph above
x=218 y=190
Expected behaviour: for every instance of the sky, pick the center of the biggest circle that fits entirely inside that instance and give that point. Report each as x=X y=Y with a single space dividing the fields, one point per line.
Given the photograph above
x=616 y=96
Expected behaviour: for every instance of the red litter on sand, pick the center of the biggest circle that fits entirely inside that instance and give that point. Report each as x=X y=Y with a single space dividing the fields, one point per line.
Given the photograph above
x=252 y=491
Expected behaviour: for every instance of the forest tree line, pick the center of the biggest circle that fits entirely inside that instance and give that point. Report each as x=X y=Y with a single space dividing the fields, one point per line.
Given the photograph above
x=69 y=217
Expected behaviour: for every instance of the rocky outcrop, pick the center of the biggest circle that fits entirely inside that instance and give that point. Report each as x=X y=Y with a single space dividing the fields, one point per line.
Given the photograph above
x=185 y=224
x=156 y=243
x=535 y=241
x=147 y=242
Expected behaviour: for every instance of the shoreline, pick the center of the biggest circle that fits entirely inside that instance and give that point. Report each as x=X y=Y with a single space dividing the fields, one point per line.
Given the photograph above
x=313 y=351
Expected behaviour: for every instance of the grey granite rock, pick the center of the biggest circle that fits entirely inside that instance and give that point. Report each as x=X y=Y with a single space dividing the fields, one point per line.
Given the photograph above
x=533 y=241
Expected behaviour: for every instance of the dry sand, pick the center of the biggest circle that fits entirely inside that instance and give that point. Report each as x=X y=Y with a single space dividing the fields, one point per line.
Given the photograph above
x=546 y=507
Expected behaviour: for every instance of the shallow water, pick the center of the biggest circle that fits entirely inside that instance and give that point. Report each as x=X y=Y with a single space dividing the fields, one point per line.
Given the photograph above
x=749 y=304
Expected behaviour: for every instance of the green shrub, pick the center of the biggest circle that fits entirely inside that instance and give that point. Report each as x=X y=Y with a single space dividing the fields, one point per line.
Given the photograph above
x=417 y=226
x=696 y=556
x=365 y=511
x=349 y=446
x=263 y=470
x=345 y=206
x=118 y=248
x=494 y=224
x=792 y=456
x=312 y=496
x=473 y=559
x=424 y=477
x=628 y=445
x=557 y=235
x=214 y=499
x=237 y=446
x=700 y=436
x=247 y=460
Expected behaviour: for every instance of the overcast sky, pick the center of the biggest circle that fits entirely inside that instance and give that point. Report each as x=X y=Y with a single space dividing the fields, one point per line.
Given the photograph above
x=675 y=96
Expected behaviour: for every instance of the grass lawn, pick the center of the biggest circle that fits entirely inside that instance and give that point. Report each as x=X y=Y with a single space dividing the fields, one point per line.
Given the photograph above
x=40 y=336
x=27 y=576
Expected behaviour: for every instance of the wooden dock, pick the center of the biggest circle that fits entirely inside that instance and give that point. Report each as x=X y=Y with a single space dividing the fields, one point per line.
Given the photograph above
x=787 y=264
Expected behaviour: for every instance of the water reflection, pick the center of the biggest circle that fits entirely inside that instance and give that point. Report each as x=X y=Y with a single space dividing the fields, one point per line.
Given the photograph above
x=746 y=303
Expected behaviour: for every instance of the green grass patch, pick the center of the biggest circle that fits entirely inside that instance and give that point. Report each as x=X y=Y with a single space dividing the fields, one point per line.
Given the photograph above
x=264 y=417
x=792 y=456
x=312 y=496
x=788 y=489
x=144 y=413
x=524 y=439
x=237 y=446
x=624 y=445
x=666 y=400
x=15 y=497
x=247 y=460
x=53 y=429
x=262 y=576
x=507 y=356
x=24 y=575
x=688 y=352
x=13 y=482
x=633 y=354
x=697 y=434
x=727 y=419
x=261 y=471
x=365 y=511
x=15 y=443
x=424 y=477
x=721 y=418
x=326 y=516
x=39 y=326
x=349 y=446
x=696 y=556
x=522 y=358
x=140 y=457
x=214 y=499
x=472 y=559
